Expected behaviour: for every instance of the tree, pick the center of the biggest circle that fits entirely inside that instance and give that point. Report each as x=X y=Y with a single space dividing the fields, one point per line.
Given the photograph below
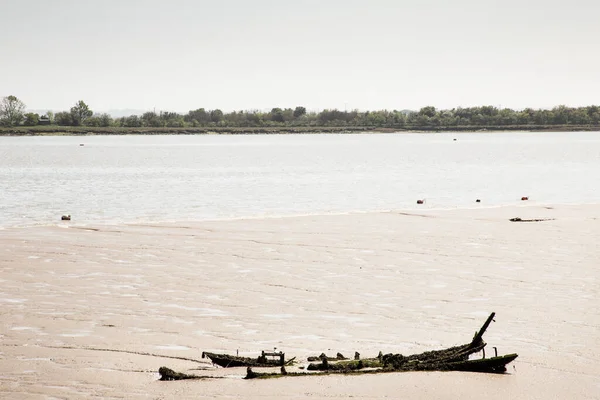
x=105 y=120
x=333 y=117
x=133 y=121
x=31 y=119
x=11 y=111
x=171 y=119
x=151 y=119
x=63 y=118
x=200 y=115
x=299 y=111
x=216 y=116
x=428 y=111
x=376 y=118
x=277 y=115
x=254 y=119
x=80 y=112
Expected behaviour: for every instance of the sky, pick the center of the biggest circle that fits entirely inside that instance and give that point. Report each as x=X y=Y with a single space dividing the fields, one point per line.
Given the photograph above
x=180 y=55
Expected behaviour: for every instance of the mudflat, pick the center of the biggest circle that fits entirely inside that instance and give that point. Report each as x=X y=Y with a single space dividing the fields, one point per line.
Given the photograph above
x=94 y=311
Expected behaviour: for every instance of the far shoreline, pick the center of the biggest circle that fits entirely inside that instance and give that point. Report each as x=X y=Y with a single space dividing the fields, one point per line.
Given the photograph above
x=85 y=131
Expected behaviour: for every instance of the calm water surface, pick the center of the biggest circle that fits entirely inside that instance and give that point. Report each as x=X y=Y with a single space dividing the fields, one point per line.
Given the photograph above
x=115 y=179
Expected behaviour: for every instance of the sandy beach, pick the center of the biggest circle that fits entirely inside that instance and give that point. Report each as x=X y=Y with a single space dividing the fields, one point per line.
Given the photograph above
x=94 y=311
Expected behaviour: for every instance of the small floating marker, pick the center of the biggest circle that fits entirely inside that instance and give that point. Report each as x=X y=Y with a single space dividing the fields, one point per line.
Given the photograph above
x=477 y=201
x=524 y=198
x=65 y=218
x=455 y=139
x=81 y=144
x=420 y=201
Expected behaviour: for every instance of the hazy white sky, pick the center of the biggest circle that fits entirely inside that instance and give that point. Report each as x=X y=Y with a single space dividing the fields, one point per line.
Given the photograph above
x=258 y=54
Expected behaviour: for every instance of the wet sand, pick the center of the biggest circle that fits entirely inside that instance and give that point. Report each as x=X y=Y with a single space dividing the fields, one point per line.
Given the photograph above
x=94 y=311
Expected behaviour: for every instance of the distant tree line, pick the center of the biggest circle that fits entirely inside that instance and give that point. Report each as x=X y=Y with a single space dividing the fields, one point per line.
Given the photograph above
x=12 y=114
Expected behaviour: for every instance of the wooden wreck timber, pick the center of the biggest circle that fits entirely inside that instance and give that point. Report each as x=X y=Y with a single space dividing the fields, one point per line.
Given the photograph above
x=518 y=219
x=492 y=365
x=455 y=358
x=266 y=359
x=450 y=359
x=167 y=374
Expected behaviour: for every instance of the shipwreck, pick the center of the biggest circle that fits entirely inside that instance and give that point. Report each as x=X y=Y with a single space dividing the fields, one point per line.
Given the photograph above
x=457 y=358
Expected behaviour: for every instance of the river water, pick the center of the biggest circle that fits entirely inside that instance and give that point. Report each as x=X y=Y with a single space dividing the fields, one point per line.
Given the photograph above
x=117 y=179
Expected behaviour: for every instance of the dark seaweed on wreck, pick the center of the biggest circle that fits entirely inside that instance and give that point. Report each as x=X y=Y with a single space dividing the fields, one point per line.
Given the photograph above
x=323 y=356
